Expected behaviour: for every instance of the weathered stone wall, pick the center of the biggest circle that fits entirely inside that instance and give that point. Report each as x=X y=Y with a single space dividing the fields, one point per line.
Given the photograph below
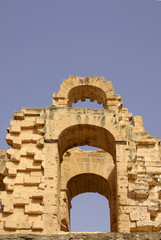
x=45 y=171
x=21 y=202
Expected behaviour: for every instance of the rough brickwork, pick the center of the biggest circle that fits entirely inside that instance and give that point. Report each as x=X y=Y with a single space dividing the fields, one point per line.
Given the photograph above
x=84 y=236
x=44 y=169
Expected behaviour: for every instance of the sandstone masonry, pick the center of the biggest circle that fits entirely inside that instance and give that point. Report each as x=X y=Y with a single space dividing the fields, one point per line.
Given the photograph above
x=43 y=169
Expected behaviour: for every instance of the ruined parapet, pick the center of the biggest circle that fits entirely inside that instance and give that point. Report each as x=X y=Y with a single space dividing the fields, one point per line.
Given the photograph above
x=45 y=170
x=94 y=88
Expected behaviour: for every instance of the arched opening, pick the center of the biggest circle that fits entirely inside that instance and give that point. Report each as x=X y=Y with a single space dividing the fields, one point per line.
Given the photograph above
x=90 y=212
x=90 y=183
x=85 y=134
x=87 y=171
x=84 y=92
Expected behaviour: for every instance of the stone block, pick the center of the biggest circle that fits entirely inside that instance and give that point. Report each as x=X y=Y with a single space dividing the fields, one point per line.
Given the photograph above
x=19 y=180
x=124 y=226
x=39 y=121
x=20 y=201
x=16 y=157
x=139 y=194
x=10 y=225
x=39 y=157
x=12 y=172
x=42 y=186
x=137 y=121
x=10 y=165
x=36 y=137
x=8 y=208
x=48 y=208
x=139 y=190
x=36 y=173
x=33 y=166
x=38 y=194
x=17 y=143
x=10 y=152
x=33 y=209
x=24 y=225
x=10 y=186
x=38 y=225
x=23 y=151
x=27 y=124
x=40 y=142
x=154 y=207
x=31 y=151
x=32 y=111
x=9 y=139
x=31 y=181
x=134 y=216
x=49 y=173
x=15 y=129
x=19 y=115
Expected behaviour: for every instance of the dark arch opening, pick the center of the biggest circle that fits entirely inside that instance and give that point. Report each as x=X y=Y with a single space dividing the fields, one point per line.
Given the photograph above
x=85 y=134
x=86 y=92
x=90 y=212
x=90 y=183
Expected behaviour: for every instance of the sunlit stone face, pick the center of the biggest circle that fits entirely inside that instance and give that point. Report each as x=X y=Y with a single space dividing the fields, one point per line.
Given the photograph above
x=43 y=170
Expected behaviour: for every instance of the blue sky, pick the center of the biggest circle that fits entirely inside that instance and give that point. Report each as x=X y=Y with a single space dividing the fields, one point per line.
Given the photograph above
x=42 y=42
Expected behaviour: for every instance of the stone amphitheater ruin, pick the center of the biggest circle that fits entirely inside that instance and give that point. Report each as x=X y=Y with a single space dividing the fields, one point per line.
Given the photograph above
x=43 y=169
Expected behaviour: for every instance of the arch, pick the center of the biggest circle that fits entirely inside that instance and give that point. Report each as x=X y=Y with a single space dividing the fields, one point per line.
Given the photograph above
x=83 y=92
x=85 y=134
x=88 y=182
x=95 y=88
x=69 y=117
x=76 y=161
x=91 y=171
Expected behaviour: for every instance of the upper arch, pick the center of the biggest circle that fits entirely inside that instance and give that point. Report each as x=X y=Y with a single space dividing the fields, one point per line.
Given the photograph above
x=79 y=88
x=85 y=91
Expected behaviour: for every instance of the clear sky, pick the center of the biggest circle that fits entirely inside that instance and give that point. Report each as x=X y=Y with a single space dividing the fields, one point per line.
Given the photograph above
x=44 y=41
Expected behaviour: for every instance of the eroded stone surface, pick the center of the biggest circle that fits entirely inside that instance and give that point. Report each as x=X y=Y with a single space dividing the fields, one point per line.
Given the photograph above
x=84 y=236
x=44 y=169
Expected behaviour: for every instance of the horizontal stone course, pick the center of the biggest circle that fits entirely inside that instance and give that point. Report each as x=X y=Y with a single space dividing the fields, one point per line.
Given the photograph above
x=84 y=236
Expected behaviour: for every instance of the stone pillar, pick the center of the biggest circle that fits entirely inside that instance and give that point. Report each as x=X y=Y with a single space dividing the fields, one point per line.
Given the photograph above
x=122 y=185
x=51 y=218
x=65 y=206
